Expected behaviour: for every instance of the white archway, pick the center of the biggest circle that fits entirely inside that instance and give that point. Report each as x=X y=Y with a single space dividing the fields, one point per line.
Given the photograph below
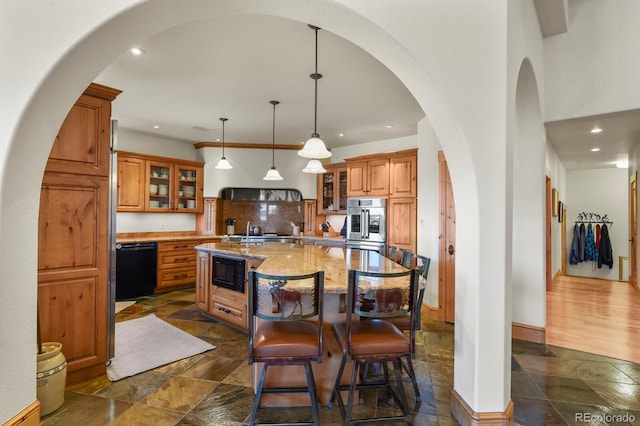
x=96 y=42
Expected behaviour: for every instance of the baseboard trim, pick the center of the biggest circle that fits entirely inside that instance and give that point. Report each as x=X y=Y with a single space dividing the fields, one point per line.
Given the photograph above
x=529 y=333
x=432 y=313
x=30 y=416
x=465 y=415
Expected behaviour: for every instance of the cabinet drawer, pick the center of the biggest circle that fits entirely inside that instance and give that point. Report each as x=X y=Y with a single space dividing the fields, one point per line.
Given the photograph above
x=176 y=259
x=176 y=276
x=178 y=245
x=229 y=311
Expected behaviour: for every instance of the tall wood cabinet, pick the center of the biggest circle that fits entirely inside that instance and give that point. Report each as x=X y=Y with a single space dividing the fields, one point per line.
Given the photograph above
x=73 y=236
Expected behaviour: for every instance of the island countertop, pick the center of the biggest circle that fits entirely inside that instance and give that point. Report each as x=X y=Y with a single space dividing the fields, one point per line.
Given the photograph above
x=292 y=259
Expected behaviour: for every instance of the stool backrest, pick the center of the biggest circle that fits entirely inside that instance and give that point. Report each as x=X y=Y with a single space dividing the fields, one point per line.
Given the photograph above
x=286 y=297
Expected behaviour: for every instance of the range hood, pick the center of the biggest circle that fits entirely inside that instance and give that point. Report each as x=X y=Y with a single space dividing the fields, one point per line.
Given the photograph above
x=260 y=194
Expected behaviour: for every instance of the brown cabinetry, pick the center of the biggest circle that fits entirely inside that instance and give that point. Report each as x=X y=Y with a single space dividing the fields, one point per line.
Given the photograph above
x=73 y=243
x=221 y=303
x=332 y=190
x=402 y=226
x=176 y=264
x=167 y=185
x=131 y=179
x=311 y=218
x=208 y=222
x=403 y=176
x=368 y=178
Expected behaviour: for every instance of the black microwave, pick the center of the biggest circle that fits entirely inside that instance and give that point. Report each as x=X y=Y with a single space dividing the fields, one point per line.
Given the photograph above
x=228 y=272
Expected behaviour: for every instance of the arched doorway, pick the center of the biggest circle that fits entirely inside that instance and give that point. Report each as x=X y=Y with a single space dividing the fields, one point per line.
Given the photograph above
x=76 y=67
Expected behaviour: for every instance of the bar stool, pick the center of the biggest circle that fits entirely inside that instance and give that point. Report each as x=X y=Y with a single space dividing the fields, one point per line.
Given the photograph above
x=392 y=253
x=281 y=331
x=406 y=258
x=421 y=263
x=378 y=296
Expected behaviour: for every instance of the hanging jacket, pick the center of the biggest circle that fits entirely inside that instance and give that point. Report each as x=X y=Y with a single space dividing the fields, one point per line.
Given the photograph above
x=606 y=253
x=583 y=243
x=575 y=244
x=598 y=237
x=590 y=252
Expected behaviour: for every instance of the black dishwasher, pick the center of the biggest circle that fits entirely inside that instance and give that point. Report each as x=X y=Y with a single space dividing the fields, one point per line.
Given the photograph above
x=136 y=269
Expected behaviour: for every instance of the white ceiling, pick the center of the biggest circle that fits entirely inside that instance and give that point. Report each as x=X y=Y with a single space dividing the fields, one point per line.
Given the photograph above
x=192 y=75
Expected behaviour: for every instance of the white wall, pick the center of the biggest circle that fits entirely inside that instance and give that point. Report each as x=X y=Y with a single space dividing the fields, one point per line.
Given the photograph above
x=387 y=145
x=601 y=191
x=594 y=67
x=250 y=166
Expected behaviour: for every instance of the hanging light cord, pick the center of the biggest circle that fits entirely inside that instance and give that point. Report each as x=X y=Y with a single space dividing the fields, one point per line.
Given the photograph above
x=273 y=136
x=315 y=76
x=223 y=120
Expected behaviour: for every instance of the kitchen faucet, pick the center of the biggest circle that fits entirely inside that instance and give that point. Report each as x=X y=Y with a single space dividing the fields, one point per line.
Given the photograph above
x=248 y=224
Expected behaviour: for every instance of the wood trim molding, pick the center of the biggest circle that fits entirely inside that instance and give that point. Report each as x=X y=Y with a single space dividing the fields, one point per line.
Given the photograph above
x=164 y=159
x=432 y=312
x=103 y=92
x=30 y=416
x=465 y=415
x=246 y=145
x=411 y=151
x=529 y=333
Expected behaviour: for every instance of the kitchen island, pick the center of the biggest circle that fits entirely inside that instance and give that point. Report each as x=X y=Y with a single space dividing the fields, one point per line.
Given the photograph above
x=283 y=259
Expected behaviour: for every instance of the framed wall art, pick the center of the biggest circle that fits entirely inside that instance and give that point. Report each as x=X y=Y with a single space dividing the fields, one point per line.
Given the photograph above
x=555 y=197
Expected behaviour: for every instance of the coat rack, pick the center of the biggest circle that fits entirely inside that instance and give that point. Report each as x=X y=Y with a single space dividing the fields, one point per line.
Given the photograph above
x=592 y=218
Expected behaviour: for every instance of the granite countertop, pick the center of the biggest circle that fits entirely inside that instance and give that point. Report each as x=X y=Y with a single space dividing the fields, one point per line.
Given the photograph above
x=292 y=258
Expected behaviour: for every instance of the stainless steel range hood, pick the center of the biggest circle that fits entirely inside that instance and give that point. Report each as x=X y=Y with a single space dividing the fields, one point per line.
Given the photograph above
x=260 y=194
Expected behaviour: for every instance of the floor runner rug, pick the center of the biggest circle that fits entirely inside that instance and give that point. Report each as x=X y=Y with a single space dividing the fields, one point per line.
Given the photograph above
x=145 y=343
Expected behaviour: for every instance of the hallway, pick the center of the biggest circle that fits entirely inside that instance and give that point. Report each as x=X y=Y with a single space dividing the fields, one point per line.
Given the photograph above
x=596 y=316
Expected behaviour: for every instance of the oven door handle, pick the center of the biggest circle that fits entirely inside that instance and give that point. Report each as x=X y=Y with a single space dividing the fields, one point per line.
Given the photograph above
x=365 y=227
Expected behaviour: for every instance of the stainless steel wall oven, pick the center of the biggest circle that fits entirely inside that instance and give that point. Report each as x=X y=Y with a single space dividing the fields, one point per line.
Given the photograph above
x=367 y=223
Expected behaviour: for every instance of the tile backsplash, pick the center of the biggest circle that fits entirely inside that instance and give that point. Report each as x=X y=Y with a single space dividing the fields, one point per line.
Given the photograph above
x=270 y=216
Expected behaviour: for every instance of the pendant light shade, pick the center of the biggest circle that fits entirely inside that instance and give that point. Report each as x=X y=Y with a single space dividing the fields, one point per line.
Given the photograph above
x=223 y=163
x=315 y=147
x=314 y=166
x=272 y=173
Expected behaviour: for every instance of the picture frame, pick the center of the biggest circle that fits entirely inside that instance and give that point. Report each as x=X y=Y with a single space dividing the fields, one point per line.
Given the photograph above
x=560 y=211
x=555 y=198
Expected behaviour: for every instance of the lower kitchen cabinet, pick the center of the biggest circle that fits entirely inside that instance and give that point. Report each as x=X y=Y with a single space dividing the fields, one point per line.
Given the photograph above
x=228 y=306
x=176 y=265
x=401 y=231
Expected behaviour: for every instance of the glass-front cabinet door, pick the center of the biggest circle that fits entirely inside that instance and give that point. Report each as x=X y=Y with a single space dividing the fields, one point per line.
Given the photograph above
x=188 y=189
x=332 y=190
x=160 y=186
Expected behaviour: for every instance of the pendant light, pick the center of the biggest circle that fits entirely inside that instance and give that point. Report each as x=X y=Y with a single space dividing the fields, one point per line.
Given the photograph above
x=223 y=163
x=272 y=173
x=315 y=148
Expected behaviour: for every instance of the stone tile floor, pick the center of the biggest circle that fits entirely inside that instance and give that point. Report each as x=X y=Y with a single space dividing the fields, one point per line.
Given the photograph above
x=550 y=385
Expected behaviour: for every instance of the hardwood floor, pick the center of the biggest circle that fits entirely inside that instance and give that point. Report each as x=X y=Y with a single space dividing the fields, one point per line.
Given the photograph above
x=593 y=315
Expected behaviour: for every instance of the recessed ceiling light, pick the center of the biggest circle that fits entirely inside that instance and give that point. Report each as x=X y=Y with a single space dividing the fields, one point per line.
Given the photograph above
x=388 y=126
x=341 y=134
x=155 y=126
x=137 y=51
x=218 y=139
x=595 y=149
x=596 y=130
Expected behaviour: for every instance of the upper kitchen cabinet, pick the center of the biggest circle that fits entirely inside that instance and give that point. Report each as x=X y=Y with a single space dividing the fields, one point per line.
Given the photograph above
x=131 y=178
x=368 y=178
x=403 y=175
x=332 y=190
x=164 y=185
x=82 y=143
x=392 y=174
